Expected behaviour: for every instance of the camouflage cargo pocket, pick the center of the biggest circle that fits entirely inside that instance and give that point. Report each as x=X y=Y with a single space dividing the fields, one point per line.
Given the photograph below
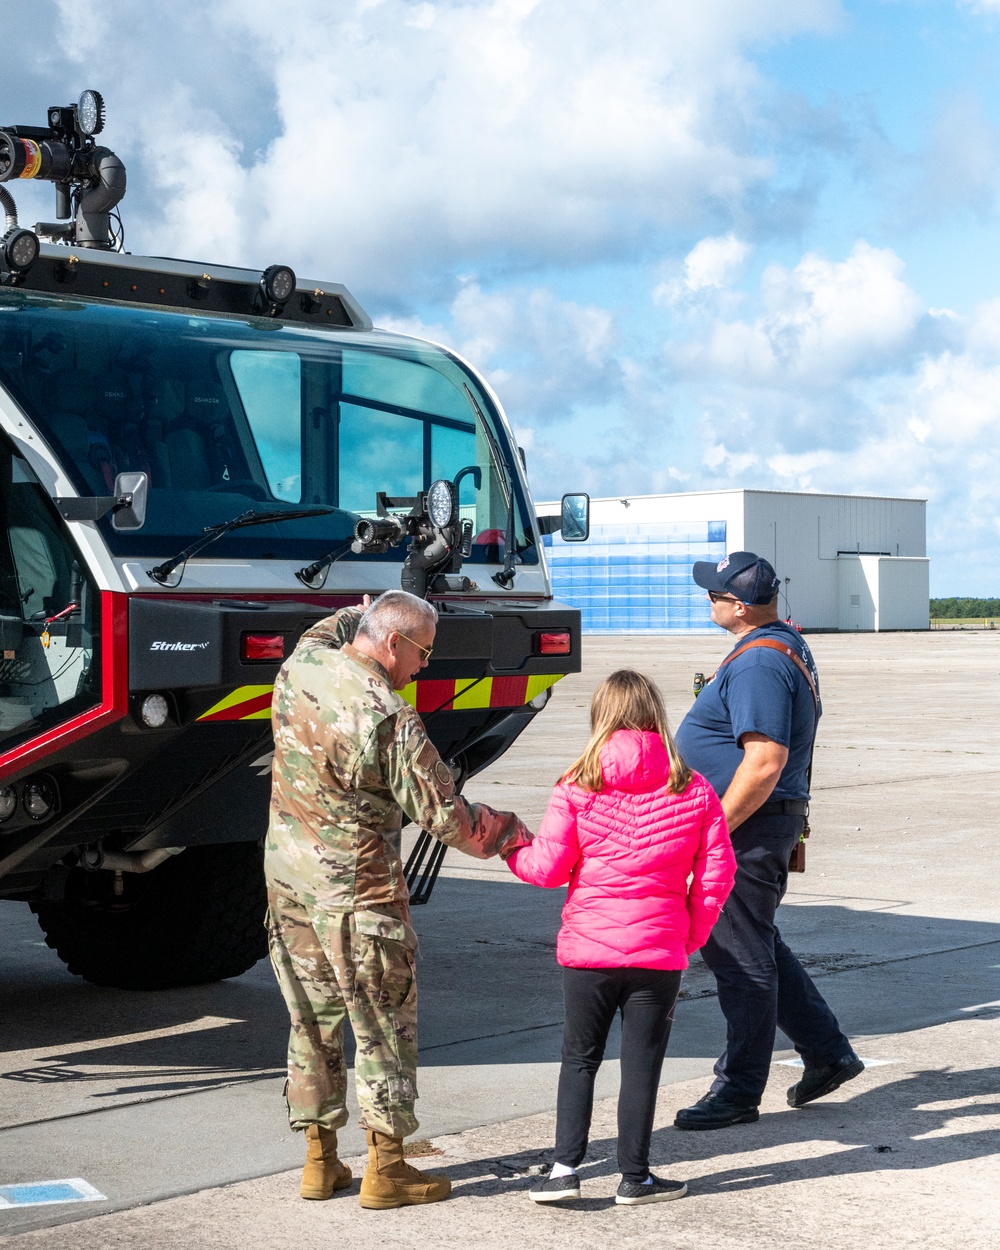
x=385 y=964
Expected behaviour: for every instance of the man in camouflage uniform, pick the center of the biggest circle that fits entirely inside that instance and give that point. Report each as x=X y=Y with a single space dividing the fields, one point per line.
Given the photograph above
x=351 y=756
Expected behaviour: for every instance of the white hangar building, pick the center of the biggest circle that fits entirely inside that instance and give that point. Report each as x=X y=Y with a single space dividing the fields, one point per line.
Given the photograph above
x=846 y=562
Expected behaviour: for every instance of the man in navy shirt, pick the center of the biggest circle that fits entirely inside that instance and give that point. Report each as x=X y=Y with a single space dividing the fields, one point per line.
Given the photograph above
x=750 y=732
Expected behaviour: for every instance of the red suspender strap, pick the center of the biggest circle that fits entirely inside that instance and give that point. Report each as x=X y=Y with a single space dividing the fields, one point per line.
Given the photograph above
x=797 y=862
x=774 y=645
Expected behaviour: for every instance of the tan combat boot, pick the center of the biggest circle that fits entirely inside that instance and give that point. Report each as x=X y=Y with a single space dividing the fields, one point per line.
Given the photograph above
x=323 y=1173
x=389 y=1181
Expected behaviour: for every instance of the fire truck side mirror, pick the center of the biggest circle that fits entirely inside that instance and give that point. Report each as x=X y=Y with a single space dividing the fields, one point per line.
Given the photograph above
x=127 y=505
x=129 y=509
x=575 y=516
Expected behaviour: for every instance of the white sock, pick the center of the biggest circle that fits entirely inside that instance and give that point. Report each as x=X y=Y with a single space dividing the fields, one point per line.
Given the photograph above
x=560 y=1169
x=648 y=1180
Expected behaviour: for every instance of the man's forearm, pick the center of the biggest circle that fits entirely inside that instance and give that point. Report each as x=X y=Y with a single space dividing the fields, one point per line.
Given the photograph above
x=347 y=621
x=755 y=779
x=479 y=831
x=749 y=789
x=424 y=787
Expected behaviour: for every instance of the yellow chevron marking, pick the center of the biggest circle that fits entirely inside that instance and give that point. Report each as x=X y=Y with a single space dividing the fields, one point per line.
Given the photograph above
x=477 y=696
x=540 y=682
x=240 y=695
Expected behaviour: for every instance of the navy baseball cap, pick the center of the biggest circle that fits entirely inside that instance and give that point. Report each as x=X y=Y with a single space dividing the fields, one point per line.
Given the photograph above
x=742 y=574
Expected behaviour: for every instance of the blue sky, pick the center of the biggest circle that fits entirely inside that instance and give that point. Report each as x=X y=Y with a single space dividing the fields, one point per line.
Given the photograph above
x=739 y=243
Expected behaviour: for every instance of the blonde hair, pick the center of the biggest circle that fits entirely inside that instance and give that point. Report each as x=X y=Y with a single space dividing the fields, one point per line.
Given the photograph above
x=625 y=700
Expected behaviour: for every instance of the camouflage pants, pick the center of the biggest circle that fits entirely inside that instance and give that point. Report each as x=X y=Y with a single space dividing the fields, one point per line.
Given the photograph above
x=360 y=965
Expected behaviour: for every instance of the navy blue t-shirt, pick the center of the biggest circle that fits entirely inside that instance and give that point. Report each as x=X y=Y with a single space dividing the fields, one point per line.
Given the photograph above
x=762 y=691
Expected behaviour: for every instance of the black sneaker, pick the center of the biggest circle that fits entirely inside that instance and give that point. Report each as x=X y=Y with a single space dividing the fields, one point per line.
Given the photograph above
x=555 y=1188
x=715 y=1111
x=634 y=1194
x=818 y=1082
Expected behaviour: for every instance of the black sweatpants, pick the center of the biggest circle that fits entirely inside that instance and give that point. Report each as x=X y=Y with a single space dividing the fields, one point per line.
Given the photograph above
x=645 y=997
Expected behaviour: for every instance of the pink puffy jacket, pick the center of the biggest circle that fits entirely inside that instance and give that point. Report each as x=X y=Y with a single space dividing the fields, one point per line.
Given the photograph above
x=627 y=853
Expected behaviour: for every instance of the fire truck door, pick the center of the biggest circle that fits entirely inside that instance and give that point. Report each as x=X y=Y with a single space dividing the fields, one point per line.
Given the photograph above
x=47 y=611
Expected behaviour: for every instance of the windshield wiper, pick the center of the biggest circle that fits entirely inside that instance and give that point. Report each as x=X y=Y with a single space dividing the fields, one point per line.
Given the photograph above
x=162 y=571
x=505 y=578
x=309 y=576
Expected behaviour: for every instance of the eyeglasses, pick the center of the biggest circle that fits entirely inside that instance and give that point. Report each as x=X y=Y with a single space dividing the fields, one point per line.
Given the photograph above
x=717 y=597
x=428 y=651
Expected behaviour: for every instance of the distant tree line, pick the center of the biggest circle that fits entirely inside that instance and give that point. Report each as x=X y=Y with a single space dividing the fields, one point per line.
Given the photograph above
x=954 y=609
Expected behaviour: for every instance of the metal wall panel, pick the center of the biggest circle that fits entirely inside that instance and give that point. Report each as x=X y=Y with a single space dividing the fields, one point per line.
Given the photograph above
x=857 y=592
x=636 y=578
x=802 y=534
x=904 y=590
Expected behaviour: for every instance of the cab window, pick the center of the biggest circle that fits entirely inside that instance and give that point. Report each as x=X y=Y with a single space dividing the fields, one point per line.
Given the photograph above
x=49 y=661
x=270 y=386
x=225 y=417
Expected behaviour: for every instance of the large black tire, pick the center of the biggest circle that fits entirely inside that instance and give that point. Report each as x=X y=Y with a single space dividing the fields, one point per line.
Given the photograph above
x=197 y=917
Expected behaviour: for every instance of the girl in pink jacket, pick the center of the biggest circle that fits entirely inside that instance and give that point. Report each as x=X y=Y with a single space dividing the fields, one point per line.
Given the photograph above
x=627 y=826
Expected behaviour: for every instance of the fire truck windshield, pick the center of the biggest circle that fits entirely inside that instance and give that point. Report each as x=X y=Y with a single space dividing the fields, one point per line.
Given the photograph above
x=226 y=416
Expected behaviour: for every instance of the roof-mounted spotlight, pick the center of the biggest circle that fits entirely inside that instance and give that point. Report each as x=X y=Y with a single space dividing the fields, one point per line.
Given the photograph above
x=277 y=286
x=18 y=252
x=90 y=113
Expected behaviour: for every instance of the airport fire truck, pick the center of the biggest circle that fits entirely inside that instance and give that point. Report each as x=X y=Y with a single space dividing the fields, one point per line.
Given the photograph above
x=196 y=463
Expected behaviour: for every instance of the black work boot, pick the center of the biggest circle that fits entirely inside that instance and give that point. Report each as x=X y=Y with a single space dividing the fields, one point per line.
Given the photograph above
x=716 y=1111
x=819 y=1081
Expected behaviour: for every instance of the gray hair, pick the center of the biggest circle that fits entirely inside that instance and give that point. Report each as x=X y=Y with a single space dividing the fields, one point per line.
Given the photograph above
x=396 y=611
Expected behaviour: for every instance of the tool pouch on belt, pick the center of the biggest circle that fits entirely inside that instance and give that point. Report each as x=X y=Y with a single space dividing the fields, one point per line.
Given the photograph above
x=797 y=859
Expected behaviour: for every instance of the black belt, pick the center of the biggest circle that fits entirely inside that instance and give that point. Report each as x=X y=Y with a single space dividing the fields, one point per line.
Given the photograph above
x=784 y=807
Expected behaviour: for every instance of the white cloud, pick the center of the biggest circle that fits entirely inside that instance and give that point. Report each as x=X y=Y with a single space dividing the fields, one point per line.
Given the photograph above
x=545 y=356
x=819 y=323
x=397 y=144
x=959 y=166
x=720 y=459
x=849 y=392
x=712 y=264
x=837 y=385
x=406 y=138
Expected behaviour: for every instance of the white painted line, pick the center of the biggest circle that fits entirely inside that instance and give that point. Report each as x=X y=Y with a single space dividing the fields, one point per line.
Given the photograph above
x=981 y=1006
x=150 y=1035
x=869 y=1063
x=48 y=1193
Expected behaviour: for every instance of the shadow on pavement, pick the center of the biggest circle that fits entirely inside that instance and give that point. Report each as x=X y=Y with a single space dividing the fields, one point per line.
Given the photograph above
x=905 y=1124
x=487 y=972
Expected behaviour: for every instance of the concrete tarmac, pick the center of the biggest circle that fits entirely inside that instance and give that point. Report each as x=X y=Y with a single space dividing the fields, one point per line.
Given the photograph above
x=904 y=1156
x=149 y=1095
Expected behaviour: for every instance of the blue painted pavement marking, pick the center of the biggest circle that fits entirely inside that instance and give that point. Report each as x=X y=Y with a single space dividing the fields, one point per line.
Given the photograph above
x=46 y=1193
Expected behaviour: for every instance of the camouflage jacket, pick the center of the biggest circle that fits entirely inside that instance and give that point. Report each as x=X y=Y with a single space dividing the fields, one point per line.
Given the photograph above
x=350 y=757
